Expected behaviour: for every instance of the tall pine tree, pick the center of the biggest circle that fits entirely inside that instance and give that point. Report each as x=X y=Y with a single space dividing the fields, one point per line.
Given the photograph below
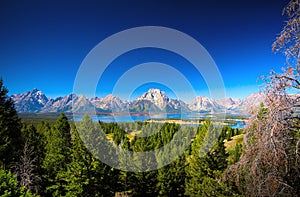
x=204 y=171
x=10 y=129
x=57 y=155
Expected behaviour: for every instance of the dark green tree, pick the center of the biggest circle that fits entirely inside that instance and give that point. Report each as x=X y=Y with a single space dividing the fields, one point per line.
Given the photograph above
x=86 y=175
x=204 y=171
x=171 y=178
x=9 y=186
x=78 y=175
x=57 y=155
x=143 y=182
x=35 y=142
x=10 y=129
x=218 y=156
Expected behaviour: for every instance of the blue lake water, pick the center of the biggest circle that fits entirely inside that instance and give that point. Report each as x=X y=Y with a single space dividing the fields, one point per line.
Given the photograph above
x=142 y=118
x=239 y=125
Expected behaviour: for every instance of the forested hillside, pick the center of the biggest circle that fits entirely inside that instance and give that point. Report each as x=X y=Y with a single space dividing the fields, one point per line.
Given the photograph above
x=60 y=158
x=51 y=159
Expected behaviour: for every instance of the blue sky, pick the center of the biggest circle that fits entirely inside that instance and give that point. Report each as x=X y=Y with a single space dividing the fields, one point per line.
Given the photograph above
x=43 y=43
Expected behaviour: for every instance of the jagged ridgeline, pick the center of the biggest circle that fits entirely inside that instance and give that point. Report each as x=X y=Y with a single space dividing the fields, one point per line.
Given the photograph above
x=62 y=158
x=153 y=100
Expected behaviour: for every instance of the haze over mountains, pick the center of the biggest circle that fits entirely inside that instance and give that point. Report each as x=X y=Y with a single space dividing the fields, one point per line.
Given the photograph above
x=154 y=100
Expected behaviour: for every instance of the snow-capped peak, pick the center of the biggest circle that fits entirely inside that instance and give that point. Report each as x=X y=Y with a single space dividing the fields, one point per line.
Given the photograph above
x=156 y=96
x=156 y=99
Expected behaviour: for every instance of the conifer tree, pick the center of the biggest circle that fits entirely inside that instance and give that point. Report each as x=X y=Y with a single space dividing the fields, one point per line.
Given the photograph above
x=10 y=129
x=204 y=170
x=34 y=141
x=88 y=176
x=9 y=186
x=78 y=175
x=171 y=178
x=57 y=154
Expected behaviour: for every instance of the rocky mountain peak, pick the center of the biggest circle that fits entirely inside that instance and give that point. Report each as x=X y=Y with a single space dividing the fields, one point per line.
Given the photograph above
x=156 y=96
x=31 y=101
x=154 y=99
x=110 y=98
x=202 y=103
x=227 y=102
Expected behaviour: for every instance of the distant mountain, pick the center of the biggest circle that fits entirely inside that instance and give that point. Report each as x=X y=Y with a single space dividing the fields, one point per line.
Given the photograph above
x=110 y=104
x=204 y=104
x=82 y=104
x=59 y=104
x=154 y=100
x=156 y=97
x=31 y=101
x=248 y=104
x=228 y=102
x=176 y=105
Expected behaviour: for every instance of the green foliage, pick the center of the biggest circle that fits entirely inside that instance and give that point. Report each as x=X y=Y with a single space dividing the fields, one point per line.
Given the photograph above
x=68 y=157
x=35 y=119
x=86 y=175
x=58 y=141
x=66 y=161
x=34 y=141
x=10 y=127
x=215 y=187
x=238 y=149
x=64 y=155
x=9 y=186
x=171 y=178
x=203 y=171
x=263 y=111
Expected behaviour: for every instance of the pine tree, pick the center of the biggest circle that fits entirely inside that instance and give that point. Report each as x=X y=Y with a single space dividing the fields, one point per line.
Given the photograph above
x=9 y=186
x=57 y=155
x=10 y=129
x=86 y=175
x=171 y=178
x=142 y=182
x=78 y=173
x=218 y=155
x=34 y=141
x=203 y=171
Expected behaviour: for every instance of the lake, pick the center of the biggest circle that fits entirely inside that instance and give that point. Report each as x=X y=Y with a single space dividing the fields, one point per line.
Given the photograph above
x=133 y=118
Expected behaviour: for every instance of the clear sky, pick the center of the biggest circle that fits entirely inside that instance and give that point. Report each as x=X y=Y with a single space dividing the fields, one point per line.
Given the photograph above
x=42 y=43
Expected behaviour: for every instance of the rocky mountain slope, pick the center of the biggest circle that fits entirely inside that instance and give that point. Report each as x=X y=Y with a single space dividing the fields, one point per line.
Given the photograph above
x=154 y=100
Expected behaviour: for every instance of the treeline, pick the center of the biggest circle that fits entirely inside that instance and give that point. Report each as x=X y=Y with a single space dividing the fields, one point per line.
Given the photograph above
x=51 y=159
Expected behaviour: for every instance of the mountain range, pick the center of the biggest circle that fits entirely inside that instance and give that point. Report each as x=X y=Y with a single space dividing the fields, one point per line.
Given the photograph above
x=154 y=100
